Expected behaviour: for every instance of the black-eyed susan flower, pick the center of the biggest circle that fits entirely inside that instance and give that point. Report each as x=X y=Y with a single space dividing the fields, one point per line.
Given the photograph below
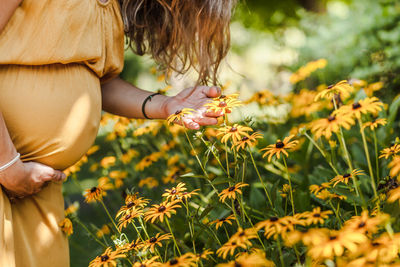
x=157 y=212
x=342 y=88
x=374 y=124
x=274 y=226
x=96 y=193
x=243 y=236
x=234 y=133
x=227 y=248
x=186 y=195
x=71 y=208
x=326 y=126
x=316 y=216
x=365 y=106
x=219 y=222
x=148 y=160
x=128 y=217
x=326 y=195
x=118 y=176
x=231 y=191
x=366 y=224
x=107 y=259
x=346 y=177
x=104 y=230
x=186 y=260
x=394 y=166
x=133 y=205
x=247 y=141
x=318 y=188
x=66 y=226
x=154 y=241
x=285 y=190
x=303 y=103
x=255 y=259
x=136 y=245
x=205 y=254
x=280 y=147
x=394 y=195
x=172 y=194
x=264 y=97
x=152 y=262
x=107 y=162
x=179 y=114
x=223 y=104
x=150 y=182
x=333 y=243
x=390 y=151
x=306 y=70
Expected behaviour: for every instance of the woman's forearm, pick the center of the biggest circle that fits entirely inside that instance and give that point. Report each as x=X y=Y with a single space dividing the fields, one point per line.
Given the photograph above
x=7 y=8
x=121 y=98
x=7 y=149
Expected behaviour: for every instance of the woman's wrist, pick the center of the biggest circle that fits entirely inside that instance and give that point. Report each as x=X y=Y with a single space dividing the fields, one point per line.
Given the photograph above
x=156 y=107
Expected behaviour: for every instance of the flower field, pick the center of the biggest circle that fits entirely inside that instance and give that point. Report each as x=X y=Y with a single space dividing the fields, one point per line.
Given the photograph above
x=320 y=189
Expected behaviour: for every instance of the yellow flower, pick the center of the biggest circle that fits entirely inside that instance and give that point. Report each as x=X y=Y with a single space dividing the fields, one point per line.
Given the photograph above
x=274 y=226
x=148 y=263
x=231 y=191
x=256 y=259
x=247 y=141
x=133 y=204
x=264 y=97
x=366 y=224
x=219 y=222
x=373 y=87
x=326 y=126
x=342 y=88
x=333 y=243
x=105 y=230
x=107 y=162
x=285 y=190
x=151 y=182
x=128 y=217
x=107 y=259
x=172 y=194
x=223 y=104
x=177 y=116
x=66 y=226
x=228 y=247
x=318 y=188
x=151 y=243
x=186 y=260
x=306 y=70
x=325 y=194
x=279 y=147
x=374 y=124
x=368 y=105
x=129 y=155
x=390 y=151
x=316 y=216
x=242 y=237
x=394 y=195
x=158 y=211
x=235 y=132
x=303 y=103
x=394 y=166
x=71 y=208
x=96 y=193
x=148 y=160
x=346 y=177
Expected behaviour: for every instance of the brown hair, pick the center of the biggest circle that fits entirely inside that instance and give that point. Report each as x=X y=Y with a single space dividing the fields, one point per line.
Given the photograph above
x=180 y=34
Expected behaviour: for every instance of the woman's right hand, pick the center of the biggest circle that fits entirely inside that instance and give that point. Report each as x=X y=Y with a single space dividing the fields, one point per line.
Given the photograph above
x=24 y=179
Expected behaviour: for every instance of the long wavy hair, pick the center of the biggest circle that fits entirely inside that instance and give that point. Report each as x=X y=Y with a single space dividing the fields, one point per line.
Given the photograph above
x=180 y=34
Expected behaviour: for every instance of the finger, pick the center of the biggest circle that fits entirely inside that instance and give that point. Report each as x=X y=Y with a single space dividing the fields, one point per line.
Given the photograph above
x=214 y=114
x=212 y=92
x=59 y=176
x=206 y=121
x=190 y=124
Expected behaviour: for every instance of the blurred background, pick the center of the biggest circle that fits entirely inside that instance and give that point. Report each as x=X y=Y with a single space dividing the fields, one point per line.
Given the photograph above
x=272 y=39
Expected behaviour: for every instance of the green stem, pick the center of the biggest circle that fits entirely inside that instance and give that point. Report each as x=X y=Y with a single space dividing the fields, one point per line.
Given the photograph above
x=191 y=227
x=290 y=185
x=280 y=252
x=336 y=213
x=109 y=216
x=173 y=236
x=376 y=157
x=215 y=156
x=261 y=180
x=89 y=232
x=226 y=232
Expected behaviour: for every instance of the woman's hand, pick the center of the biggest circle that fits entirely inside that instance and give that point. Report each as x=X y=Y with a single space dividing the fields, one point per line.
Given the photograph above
x=194 y=98
x=24 y=179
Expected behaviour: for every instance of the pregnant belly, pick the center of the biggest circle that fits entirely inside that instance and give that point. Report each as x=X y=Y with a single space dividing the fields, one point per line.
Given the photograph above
x=52 y=112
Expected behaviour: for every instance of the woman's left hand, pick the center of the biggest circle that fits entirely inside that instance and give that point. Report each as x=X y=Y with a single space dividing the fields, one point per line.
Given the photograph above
x=194 y=98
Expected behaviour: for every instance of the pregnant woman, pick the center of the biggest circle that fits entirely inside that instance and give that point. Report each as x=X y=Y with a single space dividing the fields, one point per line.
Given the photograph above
x=59 y=66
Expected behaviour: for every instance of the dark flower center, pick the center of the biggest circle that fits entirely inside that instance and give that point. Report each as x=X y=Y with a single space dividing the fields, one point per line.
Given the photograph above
x=242 y=234
x=130 y=204
x=222 y=220
x=104 y=258
x=331 y=86
x=245 y=138
x=361 y=225
x=347 y=175
x=316 y=215
x=153 y=240
x=222 y=104
x=178 y=112
x=274 y=219
x=232 y=188
x=356 y=105
x=233 y=129
x=162 y=209
x=332 y=237
x=375 y=244
x=222 y=97
x=93 y=189
x=331 y=118
x=237 y=264
x=173 y=262
x=279 y=144
x=127 y=217
x=233 y=243
x=173 y=191
x=142 y=265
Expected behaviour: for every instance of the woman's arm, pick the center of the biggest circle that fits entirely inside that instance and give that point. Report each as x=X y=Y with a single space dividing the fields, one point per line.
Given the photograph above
x=121 y=98
x=7 y=8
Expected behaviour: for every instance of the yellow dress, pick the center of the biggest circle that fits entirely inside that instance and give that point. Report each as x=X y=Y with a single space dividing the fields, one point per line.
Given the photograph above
x=54 y=55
